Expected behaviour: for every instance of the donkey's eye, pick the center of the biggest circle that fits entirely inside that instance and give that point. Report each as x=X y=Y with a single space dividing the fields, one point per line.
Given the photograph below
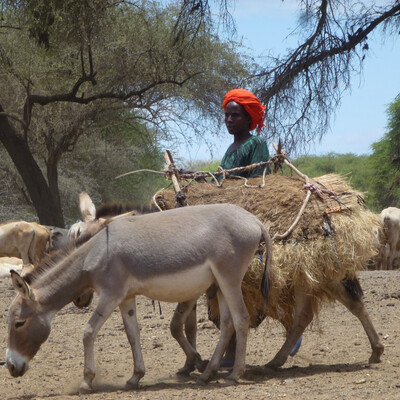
x=18 y=324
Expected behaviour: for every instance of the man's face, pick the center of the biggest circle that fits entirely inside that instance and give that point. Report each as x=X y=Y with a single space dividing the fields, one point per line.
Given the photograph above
x=237 y=120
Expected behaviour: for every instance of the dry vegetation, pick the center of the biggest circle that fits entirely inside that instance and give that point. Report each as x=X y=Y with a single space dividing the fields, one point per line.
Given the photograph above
x=332 y=240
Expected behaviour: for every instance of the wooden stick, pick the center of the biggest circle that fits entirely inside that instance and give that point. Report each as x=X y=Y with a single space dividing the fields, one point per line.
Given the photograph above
x=180 y=198
x=291 y=166
x=168 y=163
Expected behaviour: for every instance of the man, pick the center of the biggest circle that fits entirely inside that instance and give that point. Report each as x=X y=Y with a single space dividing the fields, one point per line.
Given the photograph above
x=244 y=113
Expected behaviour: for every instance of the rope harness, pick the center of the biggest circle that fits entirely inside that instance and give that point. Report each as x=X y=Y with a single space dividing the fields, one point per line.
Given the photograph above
x=175 y=175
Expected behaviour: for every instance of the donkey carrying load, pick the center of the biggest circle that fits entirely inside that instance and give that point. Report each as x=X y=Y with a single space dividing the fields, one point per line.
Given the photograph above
x=171 y=256
x=316 y=262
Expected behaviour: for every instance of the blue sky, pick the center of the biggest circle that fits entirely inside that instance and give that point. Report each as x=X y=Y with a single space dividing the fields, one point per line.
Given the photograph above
x=361 y=119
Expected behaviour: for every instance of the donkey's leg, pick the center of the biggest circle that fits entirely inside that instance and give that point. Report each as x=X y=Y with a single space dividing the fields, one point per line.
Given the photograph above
x=227 y=329
x=241 y=322
x=191 y=326
x=103 y=310
x=185 y=313
x=128 y=312
x=349 y=293
x=303 y=315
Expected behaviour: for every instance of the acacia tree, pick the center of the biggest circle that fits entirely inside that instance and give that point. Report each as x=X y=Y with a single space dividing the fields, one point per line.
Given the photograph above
x=303 y=88
x=67 y=67
x=385 y=162
x=80 y=59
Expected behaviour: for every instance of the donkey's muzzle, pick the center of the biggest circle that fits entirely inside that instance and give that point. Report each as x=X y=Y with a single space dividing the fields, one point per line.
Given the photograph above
x=17 y=366
x=16 y=372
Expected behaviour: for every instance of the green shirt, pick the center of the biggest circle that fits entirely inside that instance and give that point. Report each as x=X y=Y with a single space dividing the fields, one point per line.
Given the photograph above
x=252 y=151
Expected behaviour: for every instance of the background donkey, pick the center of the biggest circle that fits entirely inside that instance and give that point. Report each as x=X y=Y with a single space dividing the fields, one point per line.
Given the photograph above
x=171 y=256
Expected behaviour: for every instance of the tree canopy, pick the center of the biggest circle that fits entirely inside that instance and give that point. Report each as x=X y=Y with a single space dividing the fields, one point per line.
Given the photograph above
x=69 y=69
x=385 y=161
x=72 y=69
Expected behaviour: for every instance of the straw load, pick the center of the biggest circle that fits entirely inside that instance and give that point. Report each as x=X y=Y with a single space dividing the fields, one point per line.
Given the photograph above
x=332 y=240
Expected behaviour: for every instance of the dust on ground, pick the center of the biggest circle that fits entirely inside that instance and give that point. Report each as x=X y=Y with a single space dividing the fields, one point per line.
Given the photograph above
x=332 y=362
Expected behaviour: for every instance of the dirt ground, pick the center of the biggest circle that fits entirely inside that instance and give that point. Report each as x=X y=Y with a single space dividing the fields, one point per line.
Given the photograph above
x=332 y=362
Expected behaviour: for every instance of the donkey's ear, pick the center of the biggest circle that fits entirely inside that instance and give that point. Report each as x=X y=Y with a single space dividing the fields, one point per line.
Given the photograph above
x=21 y=286
x=88 y=209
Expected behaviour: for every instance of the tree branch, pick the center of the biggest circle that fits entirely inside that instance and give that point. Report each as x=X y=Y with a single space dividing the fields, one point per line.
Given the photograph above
x=71 y=96
x=292 y=68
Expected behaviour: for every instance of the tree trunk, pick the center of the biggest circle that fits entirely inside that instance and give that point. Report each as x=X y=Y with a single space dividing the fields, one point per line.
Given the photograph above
x=52 y=178
x=47 y=207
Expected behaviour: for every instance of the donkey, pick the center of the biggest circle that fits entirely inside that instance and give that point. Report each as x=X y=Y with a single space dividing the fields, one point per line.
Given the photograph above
x=185 y=315
x=347 y=291
x=172 y=256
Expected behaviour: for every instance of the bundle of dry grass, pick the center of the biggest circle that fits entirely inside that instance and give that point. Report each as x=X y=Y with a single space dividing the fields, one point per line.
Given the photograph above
x=332 y=239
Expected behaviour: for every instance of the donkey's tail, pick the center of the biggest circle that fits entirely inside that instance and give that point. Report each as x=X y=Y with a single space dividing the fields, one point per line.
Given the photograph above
x=266 y=278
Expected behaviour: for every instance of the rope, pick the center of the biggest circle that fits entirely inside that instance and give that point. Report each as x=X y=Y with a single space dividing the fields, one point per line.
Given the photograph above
x=140 y=170
x=199 y=175
x=280 y=158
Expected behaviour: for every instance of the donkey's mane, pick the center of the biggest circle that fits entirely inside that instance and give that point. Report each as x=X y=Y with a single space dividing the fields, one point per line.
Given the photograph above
x=108 y=210
x=113 y=209
x=50 y=260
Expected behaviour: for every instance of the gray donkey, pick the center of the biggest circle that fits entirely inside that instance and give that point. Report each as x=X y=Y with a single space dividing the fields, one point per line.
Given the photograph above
x=172 y=256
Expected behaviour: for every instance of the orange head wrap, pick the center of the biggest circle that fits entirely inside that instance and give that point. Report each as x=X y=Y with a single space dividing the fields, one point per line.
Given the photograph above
x=250 y=103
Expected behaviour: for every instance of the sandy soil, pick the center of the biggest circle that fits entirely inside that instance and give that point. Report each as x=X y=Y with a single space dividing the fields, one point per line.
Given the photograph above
x=331 y=364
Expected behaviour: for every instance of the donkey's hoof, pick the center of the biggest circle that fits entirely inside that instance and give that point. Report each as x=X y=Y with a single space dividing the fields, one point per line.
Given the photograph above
x=133 y=383
x=230 y=381
x=203 y=378
x=85 y=388
x=206 y=376
x=273 y=365
x=131 y=386
x=233 y=377
x=185 y=370
x=376 y=355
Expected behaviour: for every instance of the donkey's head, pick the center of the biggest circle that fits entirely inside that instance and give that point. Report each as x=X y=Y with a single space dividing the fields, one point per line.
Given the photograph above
x=28 y=327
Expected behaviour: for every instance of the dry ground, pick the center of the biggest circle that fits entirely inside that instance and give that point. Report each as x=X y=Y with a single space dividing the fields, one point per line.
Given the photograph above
x=331 y=364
